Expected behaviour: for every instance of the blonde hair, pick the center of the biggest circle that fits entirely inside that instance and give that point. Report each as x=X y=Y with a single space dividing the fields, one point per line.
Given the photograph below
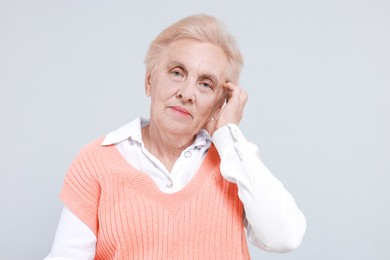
x=203 y=28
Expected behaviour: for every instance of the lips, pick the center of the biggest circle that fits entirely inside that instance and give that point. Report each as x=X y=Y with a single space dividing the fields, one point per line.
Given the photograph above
x=181 y=110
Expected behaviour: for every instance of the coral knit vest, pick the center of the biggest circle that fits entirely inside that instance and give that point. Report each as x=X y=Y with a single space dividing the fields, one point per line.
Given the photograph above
x=133 y=219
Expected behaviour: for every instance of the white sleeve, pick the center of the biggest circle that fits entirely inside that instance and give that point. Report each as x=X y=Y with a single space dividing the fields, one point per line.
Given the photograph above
x=74 y=240
x=273 y=220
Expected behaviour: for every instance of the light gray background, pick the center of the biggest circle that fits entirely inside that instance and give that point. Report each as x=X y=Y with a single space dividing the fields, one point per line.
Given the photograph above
x=318 y=77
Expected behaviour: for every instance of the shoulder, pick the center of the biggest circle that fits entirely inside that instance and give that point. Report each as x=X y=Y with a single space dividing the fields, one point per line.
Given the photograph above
x=90 y=155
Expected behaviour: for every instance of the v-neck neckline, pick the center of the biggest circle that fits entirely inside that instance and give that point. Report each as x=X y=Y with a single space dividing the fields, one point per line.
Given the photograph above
x=143 y=182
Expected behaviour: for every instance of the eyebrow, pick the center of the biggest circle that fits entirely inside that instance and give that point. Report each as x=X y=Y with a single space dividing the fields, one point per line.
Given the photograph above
x=176 y=64
x=212 y=77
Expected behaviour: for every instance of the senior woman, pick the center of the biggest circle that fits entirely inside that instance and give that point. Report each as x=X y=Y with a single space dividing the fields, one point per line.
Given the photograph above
x=185 y=183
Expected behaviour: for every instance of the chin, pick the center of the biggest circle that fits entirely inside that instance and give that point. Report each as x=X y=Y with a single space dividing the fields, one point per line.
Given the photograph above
x=181 y=128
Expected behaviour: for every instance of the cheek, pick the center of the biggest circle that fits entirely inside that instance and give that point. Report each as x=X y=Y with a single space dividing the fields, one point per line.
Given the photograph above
x=209 y=107
x=163 y=92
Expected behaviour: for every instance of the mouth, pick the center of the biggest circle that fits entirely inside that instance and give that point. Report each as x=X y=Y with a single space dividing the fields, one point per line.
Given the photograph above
x=181 y=111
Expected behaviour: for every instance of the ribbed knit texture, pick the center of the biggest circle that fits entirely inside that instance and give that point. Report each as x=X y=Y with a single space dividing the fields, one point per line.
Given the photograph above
x=133 y=219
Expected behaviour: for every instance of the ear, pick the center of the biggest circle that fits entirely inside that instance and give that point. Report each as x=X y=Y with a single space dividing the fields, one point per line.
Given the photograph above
x=147 y=84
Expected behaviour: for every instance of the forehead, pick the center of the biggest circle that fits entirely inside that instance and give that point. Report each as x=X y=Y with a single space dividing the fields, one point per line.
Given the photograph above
x=201 y=57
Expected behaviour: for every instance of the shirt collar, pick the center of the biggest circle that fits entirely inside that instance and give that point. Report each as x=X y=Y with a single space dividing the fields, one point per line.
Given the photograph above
x=133 y=130
x=202 y=139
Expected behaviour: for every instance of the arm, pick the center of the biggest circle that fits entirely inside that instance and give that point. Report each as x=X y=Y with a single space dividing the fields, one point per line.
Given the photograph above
x=73 y=239
x=273 y=220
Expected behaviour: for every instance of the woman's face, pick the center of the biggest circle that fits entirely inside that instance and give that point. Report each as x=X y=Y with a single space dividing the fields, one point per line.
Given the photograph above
x=186 y=86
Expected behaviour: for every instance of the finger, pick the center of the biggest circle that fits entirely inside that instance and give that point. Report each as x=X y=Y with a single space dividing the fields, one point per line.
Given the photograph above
x=229 y=86
x=231 y=89
x=210 y=127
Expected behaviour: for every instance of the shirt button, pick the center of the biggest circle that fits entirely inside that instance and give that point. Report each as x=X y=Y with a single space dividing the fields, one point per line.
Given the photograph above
x=187 y=154
x=169 y=184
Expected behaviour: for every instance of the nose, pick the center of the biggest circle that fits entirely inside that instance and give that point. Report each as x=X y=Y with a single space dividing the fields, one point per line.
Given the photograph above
x=186 y=92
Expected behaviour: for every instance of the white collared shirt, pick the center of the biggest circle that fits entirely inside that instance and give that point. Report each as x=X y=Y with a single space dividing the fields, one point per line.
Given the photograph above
x=272 y=219
x=128 y=140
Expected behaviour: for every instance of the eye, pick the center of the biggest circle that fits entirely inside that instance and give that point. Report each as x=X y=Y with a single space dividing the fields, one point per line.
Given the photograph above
x=206 y=86
x=177 y=73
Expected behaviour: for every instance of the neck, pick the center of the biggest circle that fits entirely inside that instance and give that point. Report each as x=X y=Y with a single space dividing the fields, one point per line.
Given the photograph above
x=164 y=146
